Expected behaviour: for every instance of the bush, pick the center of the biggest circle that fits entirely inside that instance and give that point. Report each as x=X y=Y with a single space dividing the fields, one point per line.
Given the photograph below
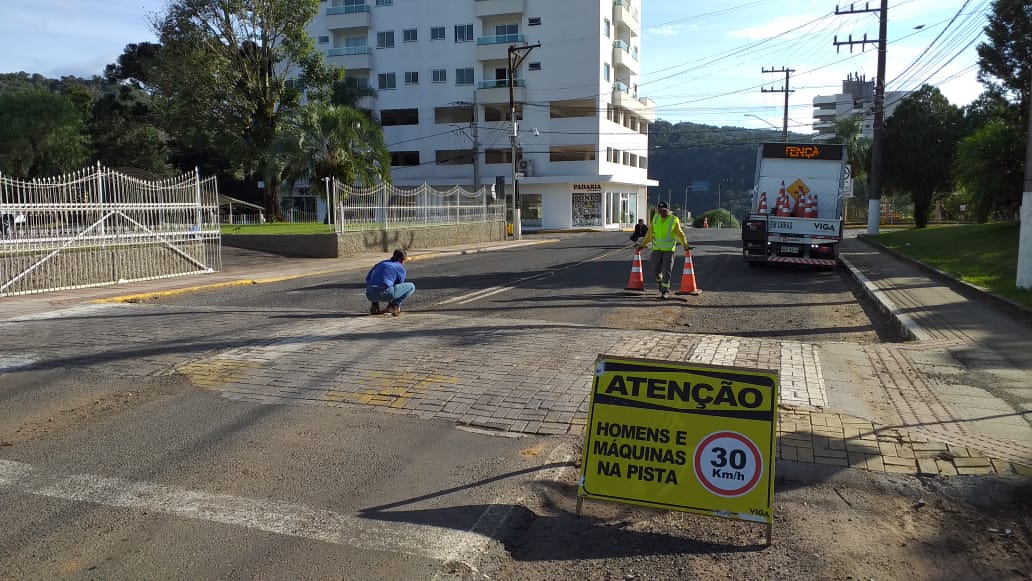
x=717 y=219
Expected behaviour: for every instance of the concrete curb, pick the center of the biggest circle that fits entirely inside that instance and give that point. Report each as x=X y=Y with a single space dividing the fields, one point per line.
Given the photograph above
x=905 y=324
x=971 y=291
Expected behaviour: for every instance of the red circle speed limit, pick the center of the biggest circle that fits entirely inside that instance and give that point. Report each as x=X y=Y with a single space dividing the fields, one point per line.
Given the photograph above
x=728 y=464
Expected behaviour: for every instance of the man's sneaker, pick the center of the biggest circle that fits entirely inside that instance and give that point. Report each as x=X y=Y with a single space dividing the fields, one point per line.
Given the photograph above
x=393 y=309
x=375 y=309
x=664 y=295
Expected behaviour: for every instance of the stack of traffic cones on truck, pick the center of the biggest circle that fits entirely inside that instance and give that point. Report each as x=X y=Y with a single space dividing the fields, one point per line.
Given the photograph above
x=811 y=206
x=762 y=208
x=783 y=207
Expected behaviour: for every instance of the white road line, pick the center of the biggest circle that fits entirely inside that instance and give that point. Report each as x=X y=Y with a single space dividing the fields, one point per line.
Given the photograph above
x=494 y=517
x=259 y=514
x=487 y=292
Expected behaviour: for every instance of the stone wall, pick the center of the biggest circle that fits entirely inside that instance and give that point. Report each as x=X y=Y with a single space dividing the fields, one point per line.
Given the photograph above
x=371 y=241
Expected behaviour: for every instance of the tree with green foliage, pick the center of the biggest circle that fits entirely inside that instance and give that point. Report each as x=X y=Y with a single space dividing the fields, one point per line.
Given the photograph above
x=124 y=132
x=42 y=134
x=1005 y=61
x=134 y=65
x=230 y=70
x=989 y=163
x=321 y=141
x=848 y=131
x=920 y=142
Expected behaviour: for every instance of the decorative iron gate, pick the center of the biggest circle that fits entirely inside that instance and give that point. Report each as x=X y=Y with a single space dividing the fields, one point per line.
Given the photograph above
x=98 y=226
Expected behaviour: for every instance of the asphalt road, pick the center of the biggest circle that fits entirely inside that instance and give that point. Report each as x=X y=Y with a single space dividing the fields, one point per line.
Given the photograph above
x=115 y=463
x=580 y=278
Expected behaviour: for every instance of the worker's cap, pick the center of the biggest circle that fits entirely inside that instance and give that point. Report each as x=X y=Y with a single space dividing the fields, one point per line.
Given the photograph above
x=662 y=206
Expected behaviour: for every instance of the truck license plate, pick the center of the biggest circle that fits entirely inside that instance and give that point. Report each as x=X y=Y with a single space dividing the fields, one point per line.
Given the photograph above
x=790 y=250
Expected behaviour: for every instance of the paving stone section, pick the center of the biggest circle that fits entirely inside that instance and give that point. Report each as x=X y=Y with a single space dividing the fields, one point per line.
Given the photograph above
x=523 y=376
x=535 y=377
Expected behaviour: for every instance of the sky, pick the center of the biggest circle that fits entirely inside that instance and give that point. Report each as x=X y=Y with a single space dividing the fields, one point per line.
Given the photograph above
x=702 y=62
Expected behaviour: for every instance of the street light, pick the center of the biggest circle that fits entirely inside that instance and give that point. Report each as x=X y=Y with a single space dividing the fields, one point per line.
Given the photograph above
x=775 y=127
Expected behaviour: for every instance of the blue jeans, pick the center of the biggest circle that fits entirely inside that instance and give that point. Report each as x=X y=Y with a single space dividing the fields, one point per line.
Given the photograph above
x=395 y=294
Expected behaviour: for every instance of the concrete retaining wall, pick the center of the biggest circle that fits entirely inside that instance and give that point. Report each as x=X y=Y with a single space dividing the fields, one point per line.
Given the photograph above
x=372 y=241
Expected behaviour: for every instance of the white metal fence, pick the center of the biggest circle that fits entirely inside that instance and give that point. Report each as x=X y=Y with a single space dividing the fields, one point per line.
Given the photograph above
x=385 y=207
x=98 y=226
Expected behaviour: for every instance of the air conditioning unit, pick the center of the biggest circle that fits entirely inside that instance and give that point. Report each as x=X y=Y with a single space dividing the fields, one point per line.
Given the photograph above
x=526 y=168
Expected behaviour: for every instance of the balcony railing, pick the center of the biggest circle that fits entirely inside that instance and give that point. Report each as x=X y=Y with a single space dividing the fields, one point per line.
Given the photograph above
x=355 y=9
x=500 y=84
x=501 y=39
x=621 y=45
x=348 y=50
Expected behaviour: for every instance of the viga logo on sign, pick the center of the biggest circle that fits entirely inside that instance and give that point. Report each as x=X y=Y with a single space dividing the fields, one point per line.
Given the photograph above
x=825 y=226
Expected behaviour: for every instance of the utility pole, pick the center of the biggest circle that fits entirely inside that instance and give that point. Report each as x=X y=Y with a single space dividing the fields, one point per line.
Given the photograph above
x=475 y=138
x=1024 y=280
x=878 y=143
x=786 y=91
x=517 y=54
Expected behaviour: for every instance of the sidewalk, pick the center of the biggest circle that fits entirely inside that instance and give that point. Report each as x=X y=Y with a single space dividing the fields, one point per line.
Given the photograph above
x=958 y=397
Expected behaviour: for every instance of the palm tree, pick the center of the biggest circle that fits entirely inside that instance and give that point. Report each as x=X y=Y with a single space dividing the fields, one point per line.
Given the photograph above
x=320 y=141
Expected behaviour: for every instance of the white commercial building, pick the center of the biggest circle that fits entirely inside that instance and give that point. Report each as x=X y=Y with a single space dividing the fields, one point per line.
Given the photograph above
x=856 y=98
x=440 y=69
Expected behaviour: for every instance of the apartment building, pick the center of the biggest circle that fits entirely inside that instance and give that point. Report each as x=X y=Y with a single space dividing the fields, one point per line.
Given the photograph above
x=856 y=98
x=441 y=72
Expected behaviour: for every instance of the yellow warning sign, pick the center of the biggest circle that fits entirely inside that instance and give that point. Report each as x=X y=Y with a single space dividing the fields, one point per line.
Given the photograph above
x=680 y=436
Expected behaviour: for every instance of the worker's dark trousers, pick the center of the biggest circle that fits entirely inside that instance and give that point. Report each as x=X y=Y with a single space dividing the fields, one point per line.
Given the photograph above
x=662 y=267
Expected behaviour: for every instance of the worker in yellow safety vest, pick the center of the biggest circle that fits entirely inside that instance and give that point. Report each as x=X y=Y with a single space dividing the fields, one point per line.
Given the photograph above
x=664 y=234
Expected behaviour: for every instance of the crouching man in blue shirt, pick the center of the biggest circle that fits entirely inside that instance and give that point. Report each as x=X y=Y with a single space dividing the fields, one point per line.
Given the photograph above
x=386 y=282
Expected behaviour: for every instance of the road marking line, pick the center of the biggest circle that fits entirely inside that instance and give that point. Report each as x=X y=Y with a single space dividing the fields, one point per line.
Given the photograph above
x=493 y=518
x=267 y=515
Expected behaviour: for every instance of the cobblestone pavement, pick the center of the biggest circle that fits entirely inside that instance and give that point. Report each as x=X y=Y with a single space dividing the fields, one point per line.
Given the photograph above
x=524 y=376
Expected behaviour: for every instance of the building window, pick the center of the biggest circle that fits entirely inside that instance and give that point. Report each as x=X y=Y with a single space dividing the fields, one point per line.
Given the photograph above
x=507 y=29
x=412 y=78
x=437 y=33
x=501 y=155
x=605 y=71
x=606 y=27
x=502 y=112
x=572 y=108
x=439 y=76
x=324 y=40
x=385 y=39
x=464 y=76
x=386 y=81
x=404 y=158
x=534 y=66
x=410 y=35
x=571 y=153
x=463 y=33
x=609 y=154
x=454 y=156
x=453 y=115
x=385 y=2
x=535 y=21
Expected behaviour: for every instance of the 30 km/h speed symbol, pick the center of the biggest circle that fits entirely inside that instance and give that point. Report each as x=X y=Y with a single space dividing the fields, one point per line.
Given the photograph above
x=728 y=464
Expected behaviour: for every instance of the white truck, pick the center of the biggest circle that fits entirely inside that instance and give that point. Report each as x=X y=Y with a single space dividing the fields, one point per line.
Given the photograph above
x=797 y=205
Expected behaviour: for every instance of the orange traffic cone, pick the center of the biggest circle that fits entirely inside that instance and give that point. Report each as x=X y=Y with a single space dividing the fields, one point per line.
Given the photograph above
x=785 y=208
x=705 y=222
x=811 y=209
x=636 y=282
x=762 y=208
x=800 y=206
x=688 y=276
